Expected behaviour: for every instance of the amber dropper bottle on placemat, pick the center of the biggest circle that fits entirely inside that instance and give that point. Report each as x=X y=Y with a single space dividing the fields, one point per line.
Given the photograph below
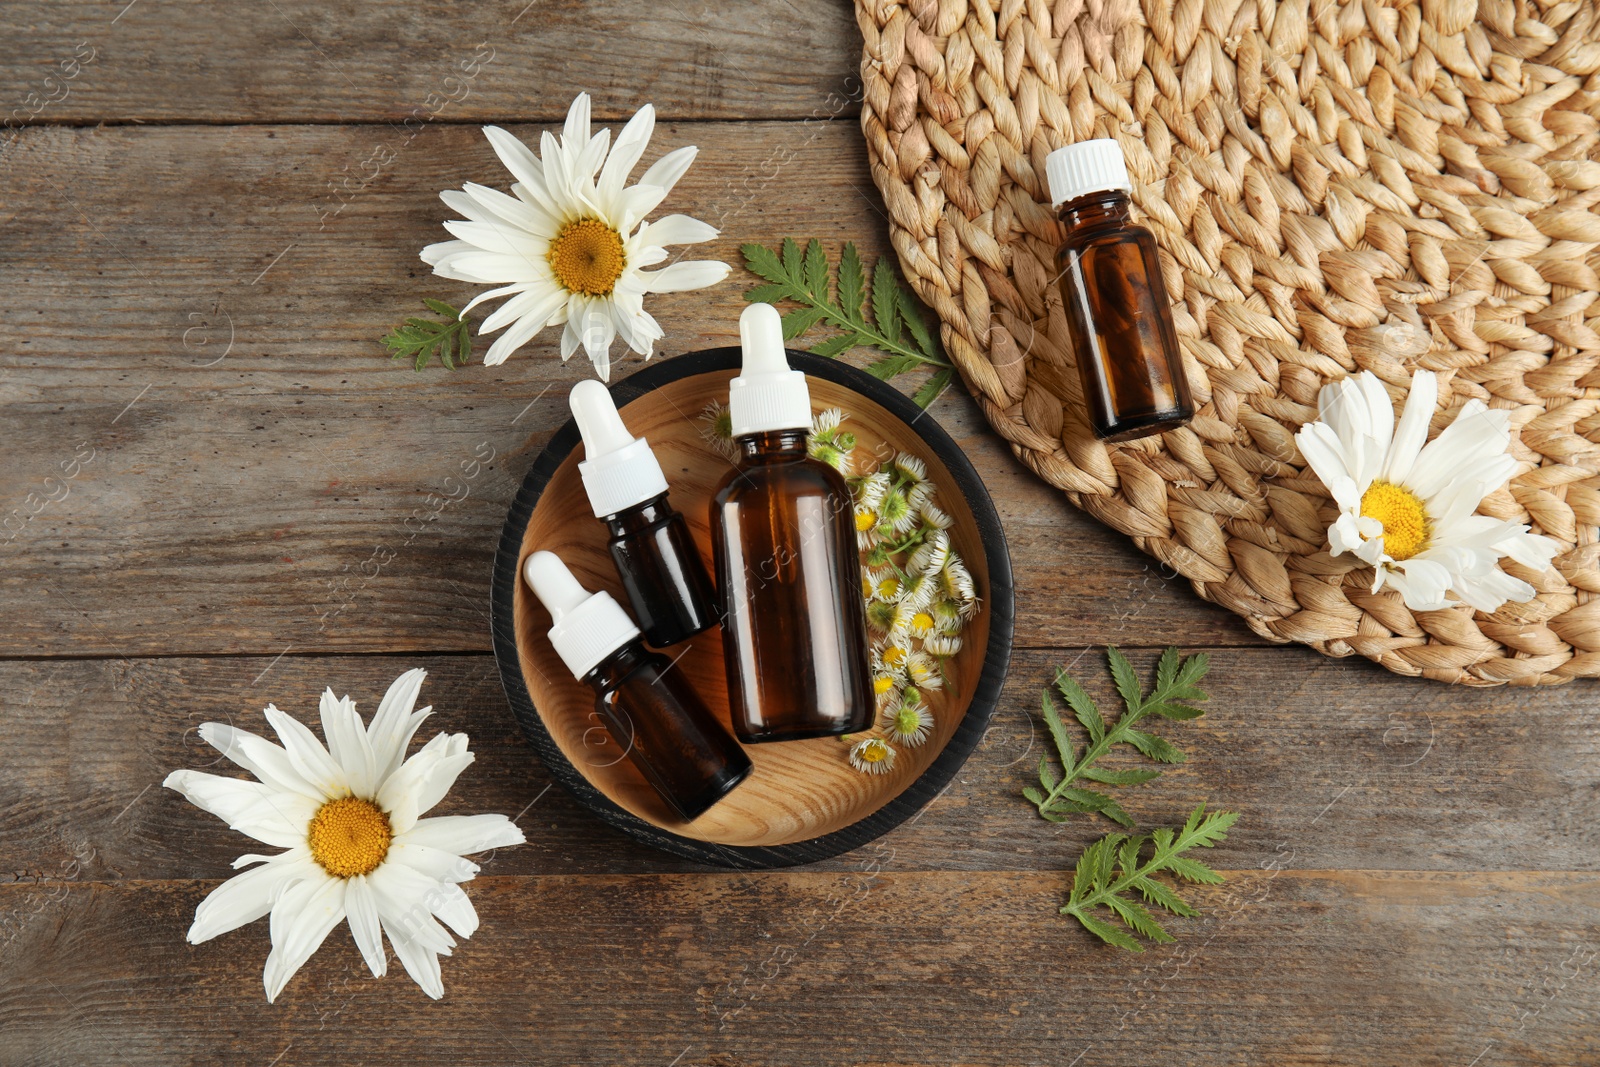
x=794 y=630
x=1118 y=312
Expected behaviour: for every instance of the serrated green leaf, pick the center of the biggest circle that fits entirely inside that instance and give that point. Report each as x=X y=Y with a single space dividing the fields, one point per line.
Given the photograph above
x=911 y=313
x=1154 y=747
x=833 y=346
x=852 y=284
x=931 y=389
x=1106 y=777
x=439 y=307
x=890 y=366
x=1047 y=776
x=885 y=306
x=1033 y=794
x=1128 y=855
x=1158 y=894
x=1167 y=669
x=1174 y=711
x=1105 y=931
x=1127 y=680
x=1065 y=749
x=816 y=270
x=769 y=294
x=1140 y=920
x=1081 y=703
x=763 y=262
x=1193 y=870
x=798 y=322
x=793 y=261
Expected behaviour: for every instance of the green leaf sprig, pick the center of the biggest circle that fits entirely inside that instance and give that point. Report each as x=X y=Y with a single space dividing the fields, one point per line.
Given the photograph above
x=420 y=339
x=895 y=325
x=1059 y=795
x=1095 y=884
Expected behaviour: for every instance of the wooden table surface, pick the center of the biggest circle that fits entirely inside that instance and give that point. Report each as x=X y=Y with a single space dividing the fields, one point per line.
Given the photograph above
x=205 y=230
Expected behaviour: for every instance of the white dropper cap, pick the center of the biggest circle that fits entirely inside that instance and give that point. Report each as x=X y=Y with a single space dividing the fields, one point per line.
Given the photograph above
x=1085 y=167
x=588 y=627
x=618 y=469
x=766 y=395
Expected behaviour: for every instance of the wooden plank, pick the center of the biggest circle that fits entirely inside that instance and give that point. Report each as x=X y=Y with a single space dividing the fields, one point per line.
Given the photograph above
x=512 y=60
x=1291 y=968
x=248 y=498
x=1332 y=763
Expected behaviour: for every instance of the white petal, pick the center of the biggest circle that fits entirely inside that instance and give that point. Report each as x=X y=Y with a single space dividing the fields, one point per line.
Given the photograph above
x=665 y=172
x=624 y=157
x=537 y=302
x=535 y=218
x=420 y=963
x=1531 y=550
x=1345 y=534
x=520 y=160
x=395 y=723
x=423 y=780
x=1412 y=432
x=307 y=755
x=491 y=294
x=575 y=133
x=436 y=863
x=1488 y=592
x=523 y=330
x=570 y=340
x=684 y=276
x=274 y=818
x=464 y=834
x=675 y=230
x=361 y=907
x=1325 y=455
x=267 y=761
x=1422 y=583
x=301 y=920
x=492 y=237
x=587 y=161
x=455 y=908
x=493 y=268
x=347 y=743
x=1476 y=435
x=597 y=331
x=1380 y=413
x=246 y=897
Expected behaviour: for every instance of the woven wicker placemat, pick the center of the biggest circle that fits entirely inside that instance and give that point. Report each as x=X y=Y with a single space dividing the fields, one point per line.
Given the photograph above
x=1334 y=187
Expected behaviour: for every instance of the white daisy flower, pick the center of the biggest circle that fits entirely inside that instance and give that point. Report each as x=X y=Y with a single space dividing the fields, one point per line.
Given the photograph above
x=923 y=671
x=866 y=526
x=826 y=421
x=1409 y=509
x=570 y=244
x=910 y=723
x=358 y=848
x=933 y=516
x=872 y=756
x=947 y=617
x=872 y=488
x=942 y=645
x=931 y=554
x=912 y=470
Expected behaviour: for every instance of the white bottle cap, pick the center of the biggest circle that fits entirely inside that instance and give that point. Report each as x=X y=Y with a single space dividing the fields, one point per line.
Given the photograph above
x=766 y=395
x=1085 y=167
x=588 y=626
x=618 y=469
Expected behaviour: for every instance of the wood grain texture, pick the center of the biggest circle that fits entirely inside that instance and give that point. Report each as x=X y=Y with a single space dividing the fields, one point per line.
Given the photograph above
x=1332 y=763
x=307 y=493
x=797 y=790
x=296 y=61
x=874 y=966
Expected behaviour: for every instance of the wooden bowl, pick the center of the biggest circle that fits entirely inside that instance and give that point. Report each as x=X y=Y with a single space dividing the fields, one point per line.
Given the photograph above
x=803 y=801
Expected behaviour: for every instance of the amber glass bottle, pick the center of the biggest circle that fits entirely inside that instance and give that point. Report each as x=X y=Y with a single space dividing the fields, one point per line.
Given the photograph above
x=1118 y=312
x=794 y=631
x=643 y=700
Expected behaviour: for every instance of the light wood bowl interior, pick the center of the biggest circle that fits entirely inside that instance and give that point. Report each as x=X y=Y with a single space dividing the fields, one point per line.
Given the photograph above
x=799 y=789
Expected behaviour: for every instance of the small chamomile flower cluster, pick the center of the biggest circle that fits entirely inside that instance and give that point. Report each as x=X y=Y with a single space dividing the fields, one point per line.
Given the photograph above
x=918 y=592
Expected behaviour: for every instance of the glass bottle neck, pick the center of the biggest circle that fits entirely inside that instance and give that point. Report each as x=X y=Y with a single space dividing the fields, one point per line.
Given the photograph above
x=609 y=672
x=1106 y=206
x=642 y=516
x=773 y=444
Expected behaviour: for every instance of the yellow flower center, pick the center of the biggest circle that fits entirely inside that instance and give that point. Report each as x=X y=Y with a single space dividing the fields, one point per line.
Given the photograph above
x=882 y=684
x=587 y=257
x=873 y=751
x=922 y=621
x=866 y=520
x=349 y=836
x=894 y=655
x=888 y=587
x=1404 y=517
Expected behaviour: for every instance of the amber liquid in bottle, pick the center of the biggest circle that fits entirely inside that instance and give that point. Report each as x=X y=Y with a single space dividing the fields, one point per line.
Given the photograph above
x=794 y=628
x=665 y=729
x=1120 y=320
x=667 y=584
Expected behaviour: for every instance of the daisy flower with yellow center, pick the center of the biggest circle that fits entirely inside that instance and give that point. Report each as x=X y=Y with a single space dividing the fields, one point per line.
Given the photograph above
x=923 y=671
x=357 y=847
x=942 y=646
x=873 y=755
x=910 y=723
x=569 y=245
x=1408 y=508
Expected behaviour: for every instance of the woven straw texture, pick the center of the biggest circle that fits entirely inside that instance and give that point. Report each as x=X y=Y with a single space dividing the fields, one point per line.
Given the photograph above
x=1334 y=187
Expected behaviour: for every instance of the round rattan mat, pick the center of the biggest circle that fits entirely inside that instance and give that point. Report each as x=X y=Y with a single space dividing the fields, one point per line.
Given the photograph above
x=1334 y=187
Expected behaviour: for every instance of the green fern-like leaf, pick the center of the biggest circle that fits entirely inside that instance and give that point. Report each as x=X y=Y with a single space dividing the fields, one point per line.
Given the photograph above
x=895 y=327
x=419 y=339
x=1110 y=871
x=1060 y=794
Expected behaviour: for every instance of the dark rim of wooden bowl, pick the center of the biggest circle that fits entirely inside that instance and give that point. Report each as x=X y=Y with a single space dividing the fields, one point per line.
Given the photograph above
x=997 y=657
